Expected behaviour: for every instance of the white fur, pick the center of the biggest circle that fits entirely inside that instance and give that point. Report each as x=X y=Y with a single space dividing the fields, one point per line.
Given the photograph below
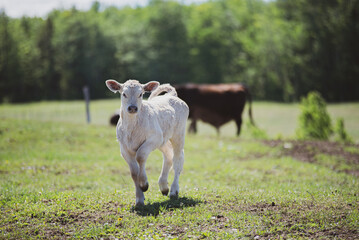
x=159 y=123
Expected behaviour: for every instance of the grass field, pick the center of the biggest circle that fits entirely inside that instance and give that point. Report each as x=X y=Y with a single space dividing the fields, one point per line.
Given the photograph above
x=275 y=118
x=62 y=178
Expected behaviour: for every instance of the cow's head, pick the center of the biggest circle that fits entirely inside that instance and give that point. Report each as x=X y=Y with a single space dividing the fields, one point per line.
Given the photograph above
x=131 y=93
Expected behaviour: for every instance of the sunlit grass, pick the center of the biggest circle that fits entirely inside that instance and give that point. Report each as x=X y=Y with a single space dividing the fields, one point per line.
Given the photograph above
x=62 y=111
x=276 y=119
x=61 y=179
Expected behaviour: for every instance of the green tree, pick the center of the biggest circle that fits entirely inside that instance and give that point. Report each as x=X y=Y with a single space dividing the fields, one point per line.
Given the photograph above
x=26 y=30
x=127 y=30
x=48 y=77
x=168 y=45
x=84 y=56
x=329 y=50
x=10 y=79
x=281 y=49
x=212 y=46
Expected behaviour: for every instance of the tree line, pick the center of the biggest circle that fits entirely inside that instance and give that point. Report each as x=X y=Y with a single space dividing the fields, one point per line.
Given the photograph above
x=281 y=49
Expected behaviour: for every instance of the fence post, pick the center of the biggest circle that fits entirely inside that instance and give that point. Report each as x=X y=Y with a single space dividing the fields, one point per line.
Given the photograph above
x=86 y=91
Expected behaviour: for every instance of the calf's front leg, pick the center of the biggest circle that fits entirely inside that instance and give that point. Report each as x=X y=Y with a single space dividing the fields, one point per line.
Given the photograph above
x=141 y=156
x=134 y=169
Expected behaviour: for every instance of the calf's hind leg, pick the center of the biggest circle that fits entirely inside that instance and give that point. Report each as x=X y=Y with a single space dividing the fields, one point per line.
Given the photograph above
x=167 y=152
x=178 y=160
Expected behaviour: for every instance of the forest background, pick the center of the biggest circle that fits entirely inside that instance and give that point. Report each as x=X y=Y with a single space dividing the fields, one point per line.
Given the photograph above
x=281 y=49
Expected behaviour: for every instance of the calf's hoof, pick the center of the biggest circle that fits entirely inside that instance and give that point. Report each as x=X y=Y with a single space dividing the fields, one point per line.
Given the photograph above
x=139 y=205
x=174 y=195
x=145 y=187
x=165 y=192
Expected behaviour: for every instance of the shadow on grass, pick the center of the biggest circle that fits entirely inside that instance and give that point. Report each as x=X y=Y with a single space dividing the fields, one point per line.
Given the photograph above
x=154 y=209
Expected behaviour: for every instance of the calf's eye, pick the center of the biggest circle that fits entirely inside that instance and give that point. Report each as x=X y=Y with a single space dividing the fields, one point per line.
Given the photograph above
x=140 y=95
x=124 y=95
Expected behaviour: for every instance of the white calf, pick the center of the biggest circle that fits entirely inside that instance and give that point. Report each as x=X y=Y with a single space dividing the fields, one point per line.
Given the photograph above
x=144 y=126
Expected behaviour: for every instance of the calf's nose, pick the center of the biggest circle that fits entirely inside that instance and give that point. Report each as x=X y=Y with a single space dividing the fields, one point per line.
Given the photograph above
x=132 y=109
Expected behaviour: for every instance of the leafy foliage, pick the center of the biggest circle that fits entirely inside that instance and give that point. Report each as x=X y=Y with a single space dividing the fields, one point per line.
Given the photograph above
x=281 y=49
x=314 y=120
x=9 y=60
x=342 y=134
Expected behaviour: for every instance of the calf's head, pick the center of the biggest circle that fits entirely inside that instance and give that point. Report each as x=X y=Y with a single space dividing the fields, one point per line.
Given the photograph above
x=131 y=93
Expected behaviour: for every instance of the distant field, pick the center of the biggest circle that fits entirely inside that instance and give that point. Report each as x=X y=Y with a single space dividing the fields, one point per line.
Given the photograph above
x=63 y=179
x=275 y=118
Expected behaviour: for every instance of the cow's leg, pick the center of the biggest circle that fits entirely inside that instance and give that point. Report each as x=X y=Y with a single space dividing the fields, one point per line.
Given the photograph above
x=134 y=169
x=218 y=133
x=239 y=125
x=178 y=160
x=141 y=156
x=167 y=152
x=193 y=126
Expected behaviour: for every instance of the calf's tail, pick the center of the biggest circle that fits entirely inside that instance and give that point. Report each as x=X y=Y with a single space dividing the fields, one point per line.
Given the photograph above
x=249 y=97
x=168 y=89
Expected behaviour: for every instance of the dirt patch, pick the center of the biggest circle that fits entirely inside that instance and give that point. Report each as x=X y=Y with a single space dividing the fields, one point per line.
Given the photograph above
x=308 y=151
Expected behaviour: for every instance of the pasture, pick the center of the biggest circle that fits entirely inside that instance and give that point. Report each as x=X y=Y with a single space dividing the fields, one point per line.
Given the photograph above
x=62 y=178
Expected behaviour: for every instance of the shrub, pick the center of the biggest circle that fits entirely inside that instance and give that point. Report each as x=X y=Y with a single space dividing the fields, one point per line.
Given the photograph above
x=342 y=134
x=314 y=120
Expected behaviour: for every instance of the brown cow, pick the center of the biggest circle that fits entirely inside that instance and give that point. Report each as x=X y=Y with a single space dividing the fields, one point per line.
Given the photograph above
x=114 y=118
x=215 y=104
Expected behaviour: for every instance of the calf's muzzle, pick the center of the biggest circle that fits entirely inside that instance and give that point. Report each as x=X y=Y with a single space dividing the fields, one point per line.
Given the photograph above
x=132 y=109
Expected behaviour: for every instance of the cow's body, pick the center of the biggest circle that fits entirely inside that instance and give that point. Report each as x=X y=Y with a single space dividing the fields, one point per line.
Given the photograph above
x=144 y=126
x=215 y=104
x=114 y=118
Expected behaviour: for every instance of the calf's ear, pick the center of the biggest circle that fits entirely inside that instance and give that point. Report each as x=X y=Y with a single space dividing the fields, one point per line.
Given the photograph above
x=150 y=86
x=113 y=85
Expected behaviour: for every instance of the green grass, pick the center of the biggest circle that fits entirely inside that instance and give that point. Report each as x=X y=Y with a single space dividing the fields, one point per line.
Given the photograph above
x=61 y=178
x=65 y=111
x=276 y=119
x=280 y=119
